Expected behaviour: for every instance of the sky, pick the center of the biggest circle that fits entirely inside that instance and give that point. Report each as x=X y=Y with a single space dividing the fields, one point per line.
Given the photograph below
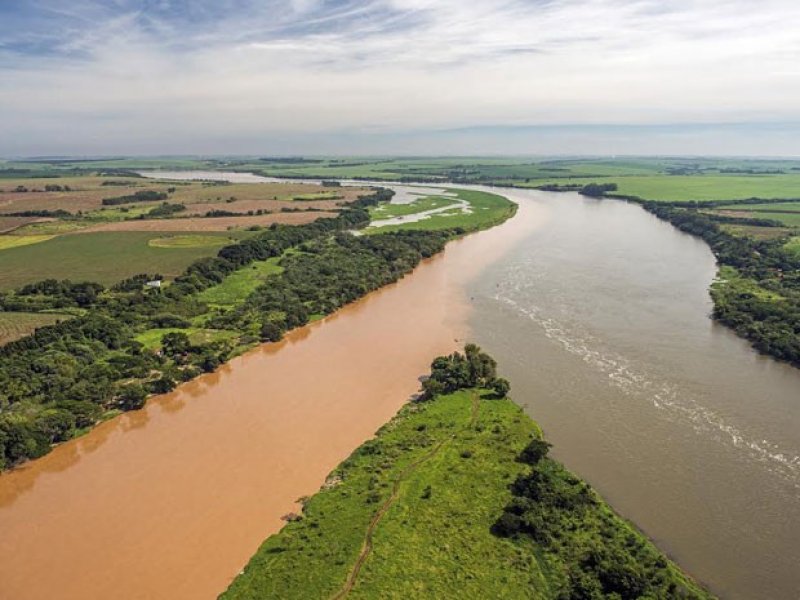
x=280 y=77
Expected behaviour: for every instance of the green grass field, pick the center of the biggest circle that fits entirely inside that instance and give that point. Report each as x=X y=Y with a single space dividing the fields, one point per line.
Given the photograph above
x=190 y=241
x=424 y=547
x=788 y=219
x=688 y=188
x=103 y=257
x=151 y=338
x=388 y=211
x=237 y=286
x=15 y=325
x=793 y=245
x=759 y=233
x=765 y=207
x=710 y=187
x=409 y=515
x=486 y=209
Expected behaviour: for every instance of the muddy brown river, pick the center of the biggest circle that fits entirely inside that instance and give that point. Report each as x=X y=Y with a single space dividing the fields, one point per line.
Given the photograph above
x=596 y=311
x=171 y=501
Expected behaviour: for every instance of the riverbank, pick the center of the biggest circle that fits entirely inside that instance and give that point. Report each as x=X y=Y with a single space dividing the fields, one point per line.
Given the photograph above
x=232 y=450
x=455 y=497
x=145 y=340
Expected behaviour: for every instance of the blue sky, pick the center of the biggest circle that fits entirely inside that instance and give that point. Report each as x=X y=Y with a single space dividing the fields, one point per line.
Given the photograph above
x=399 y=76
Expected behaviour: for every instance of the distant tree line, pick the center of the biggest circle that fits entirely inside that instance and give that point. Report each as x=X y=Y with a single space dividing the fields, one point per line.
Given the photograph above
x=140 y=196
x=165 y=209
x=40 y=213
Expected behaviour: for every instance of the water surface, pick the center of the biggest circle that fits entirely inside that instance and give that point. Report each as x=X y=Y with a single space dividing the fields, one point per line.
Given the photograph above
x=171 y=501
x=596 y=311
x=601 y=322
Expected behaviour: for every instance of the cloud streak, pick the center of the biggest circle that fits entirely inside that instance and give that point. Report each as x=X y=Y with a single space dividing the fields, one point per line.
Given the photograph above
x=108 y=76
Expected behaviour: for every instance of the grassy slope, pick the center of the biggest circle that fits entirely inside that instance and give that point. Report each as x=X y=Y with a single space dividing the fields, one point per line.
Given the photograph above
x=487 y=210
x=439 y=474
x=102 y=257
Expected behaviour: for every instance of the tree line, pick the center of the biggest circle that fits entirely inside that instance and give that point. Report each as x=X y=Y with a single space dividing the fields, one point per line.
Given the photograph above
x=769 y=318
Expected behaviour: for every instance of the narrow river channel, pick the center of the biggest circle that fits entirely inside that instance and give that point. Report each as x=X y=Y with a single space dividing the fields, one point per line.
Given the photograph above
x=596 y=311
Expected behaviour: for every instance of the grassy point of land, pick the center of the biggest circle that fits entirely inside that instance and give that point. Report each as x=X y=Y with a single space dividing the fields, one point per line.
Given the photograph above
x=451 y=476
x=410 y=514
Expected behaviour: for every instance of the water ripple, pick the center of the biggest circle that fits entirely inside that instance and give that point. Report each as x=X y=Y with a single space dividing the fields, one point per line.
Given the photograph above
x=663 y=395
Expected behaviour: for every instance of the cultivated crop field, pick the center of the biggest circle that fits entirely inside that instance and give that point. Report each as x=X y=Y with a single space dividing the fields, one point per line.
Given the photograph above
x=94 y=226
x=102 y=257
x=16 y=325
x=209 y=224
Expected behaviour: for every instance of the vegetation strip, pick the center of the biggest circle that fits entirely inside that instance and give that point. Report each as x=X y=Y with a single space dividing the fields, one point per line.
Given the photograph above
x=144 y=335
x=469 y=505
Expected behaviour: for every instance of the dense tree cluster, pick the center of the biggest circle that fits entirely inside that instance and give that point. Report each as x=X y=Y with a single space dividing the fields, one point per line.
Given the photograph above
x=597 y=190
x=328 y=274
x=40 y=213
x=52 y=294
x=166 y=209
x=140 y=196
x=472 y=369
x=606 y=560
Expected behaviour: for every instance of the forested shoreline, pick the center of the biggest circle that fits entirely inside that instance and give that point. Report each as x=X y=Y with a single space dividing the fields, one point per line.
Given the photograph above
x=757 y=293
x=64 y=378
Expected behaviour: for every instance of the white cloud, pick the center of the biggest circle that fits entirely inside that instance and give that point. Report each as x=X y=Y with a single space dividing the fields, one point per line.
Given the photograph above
x=301 y=67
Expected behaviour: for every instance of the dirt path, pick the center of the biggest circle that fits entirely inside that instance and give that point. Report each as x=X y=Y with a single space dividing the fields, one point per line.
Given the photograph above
x=366 y=548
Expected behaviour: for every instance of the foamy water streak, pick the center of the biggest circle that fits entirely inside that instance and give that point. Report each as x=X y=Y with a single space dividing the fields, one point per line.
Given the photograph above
x=634 y=380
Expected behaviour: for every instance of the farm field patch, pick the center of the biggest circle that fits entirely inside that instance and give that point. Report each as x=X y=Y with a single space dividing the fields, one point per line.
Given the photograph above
x=102 y=257
x=14 y=325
